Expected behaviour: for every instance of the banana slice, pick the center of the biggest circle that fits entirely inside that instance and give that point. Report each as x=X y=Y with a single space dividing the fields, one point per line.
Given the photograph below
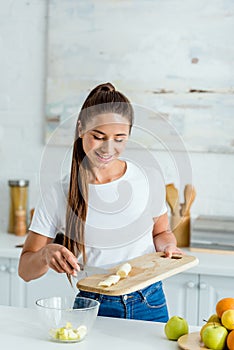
x=81 y=332
x=113 y=279
x=124 y=270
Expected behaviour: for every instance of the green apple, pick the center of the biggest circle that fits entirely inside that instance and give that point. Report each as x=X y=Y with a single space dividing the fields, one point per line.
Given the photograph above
x=175 y=327
x=208 y=324
x=214 y=318
x=214 y=337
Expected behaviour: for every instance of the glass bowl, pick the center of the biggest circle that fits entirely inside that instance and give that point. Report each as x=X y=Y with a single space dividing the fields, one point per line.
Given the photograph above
x=67 y=319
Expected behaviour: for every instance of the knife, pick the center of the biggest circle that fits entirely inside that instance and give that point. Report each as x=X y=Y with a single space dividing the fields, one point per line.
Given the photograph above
x=92 y=270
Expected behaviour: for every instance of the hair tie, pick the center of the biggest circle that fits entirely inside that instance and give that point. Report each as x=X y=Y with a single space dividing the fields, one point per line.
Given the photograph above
x=107 y=87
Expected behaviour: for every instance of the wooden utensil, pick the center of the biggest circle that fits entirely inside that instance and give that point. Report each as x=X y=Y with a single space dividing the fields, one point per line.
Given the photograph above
x=191 y=341
x=172 y=197
x=146 y=269
x=189 y=196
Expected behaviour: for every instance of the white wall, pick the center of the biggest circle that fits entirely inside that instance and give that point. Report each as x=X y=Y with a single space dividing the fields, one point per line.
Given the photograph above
x=22 y=92
x=22 y=47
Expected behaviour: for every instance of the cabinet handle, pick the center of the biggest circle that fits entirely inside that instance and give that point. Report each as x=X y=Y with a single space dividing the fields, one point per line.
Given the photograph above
x=203 y=285
x=3 y=268
x=12 y=270
x=191 y=284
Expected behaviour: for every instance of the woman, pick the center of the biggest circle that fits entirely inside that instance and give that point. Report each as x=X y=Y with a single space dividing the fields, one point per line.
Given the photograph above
x=114 y=210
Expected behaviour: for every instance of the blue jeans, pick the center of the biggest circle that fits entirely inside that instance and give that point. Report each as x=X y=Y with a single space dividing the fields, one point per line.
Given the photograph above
x=148 y=304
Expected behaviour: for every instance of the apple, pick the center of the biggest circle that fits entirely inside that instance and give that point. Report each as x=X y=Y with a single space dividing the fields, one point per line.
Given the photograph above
x=207 y=325
x=214 y=318
x=175 y=327
x=214 y=337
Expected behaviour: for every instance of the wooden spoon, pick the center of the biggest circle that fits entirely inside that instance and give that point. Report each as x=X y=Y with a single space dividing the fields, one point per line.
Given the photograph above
x=189 y=196
x=172 y=197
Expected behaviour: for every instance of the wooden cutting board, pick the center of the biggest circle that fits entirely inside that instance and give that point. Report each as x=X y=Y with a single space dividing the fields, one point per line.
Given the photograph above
x=191 y=341
x=146 y=269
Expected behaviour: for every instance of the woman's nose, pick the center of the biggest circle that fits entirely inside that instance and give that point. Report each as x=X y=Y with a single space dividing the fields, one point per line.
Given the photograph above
x=107 y=147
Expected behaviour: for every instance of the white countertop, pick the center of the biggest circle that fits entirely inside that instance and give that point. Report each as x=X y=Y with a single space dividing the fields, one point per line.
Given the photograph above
x=20 y=329
x=210 y=262
x=213 y=262
x=8 y=242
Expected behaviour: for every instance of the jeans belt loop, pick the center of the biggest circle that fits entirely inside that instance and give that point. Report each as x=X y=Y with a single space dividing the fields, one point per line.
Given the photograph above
x=142 y=295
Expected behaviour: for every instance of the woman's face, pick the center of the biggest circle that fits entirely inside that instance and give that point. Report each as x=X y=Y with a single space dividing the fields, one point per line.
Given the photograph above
x=104 y=138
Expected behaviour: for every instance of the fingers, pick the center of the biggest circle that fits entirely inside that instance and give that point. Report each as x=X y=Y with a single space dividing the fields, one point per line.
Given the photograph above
x=70 y=258
x=55 y=266
x=168 y=253
x=61 y=260
x=69 y=262
x=171 y=250
x=179 y=251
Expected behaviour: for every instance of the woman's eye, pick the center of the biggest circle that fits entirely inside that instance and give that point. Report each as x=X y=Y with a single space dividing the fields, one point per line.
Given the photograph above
x=119 y=140
x=103 y=139
x=97 y=138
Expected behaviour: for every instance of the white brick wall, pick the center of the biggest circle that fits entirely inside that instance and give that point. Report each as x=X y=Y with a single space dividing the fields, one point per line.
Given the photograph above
x=22 y=92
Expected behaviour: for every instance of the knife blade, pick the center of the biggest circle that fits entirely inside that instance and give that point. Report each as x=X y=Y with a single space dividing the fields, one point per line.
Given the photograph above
x=93 y=269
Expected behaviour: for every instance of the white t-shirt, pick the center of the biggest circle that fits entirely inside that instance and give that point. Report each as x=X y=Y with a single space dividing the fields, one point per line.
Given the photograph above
x=120 y=215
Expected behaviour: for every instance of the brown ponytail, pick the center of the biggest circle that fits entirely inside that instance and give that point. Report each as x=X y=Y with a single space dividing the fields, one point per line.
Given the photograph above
x=102 y=99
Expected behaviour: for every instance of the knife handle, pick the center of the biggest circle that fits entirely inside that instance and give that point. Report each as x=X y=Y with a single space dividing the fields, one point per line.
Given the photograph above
x=59 y=238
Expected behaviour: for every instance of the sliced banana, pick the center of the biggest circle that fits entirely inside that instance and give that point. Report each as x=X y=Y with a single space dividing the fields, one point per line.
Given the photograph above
x=81 y=332
x=112 y=279
x=124 y=270
x=68 y=333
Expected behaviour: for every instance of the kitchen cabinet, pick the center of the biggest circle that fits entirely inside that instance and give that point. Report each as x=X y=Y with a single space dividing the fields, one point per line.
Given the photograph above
x=12 y=291
x=182 y=296
x=51 y=284
x=194 y=296
x=212 y=289
x=15 y=292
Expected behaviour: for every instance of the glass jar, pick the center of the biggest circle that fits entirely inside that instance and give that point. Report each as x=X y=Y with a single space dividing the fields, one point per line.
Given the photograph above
x=18 y=207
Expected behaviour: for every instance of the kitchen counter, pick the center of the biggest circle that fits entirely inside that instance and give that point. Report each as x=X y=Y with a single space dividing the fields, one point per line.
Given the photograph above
x=8 y=242
x=20 y=329
x=211 y=262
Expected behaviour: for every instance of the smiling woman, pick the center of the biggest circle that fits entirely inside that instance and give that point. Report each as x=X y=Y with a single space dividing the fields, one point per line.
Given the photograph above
x=103 y=143
x=110 y=113
x=114 y=210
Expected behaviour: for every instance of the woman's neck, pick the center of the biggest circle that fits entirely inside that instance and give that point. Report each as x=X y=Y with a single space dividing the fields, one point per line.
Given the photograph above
x=111 y=172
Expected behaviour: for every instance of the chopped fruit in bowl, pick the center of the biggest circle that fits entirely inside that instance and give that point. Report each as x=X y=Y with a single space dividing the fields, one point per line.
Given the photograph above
x=67 y=319
x=68 y=333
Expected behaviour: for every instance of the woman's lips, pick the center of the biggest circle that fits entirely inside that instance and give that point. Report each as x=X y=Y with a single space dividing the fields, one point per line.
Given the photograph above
x=104 y=158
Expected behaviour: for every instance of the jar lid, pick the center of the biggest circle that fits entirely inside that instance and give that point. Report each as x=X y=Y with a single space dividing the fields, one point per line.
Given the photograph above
x=18 y=183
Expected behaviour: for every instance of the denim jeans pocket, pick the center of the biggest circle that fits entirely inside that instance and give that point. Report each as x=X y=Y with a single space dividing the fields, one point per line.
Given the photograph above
x=152 y=302
x=154 y=297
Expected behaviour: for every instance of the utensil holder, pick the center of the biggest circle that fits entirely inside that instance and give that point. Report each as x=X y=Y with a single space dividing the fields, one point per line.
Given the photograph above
x=181 y=228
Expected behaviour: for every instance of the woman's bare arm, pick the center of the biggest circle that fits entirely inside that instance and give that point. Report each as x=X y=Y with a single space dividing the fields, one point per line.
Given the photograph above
x=39 y=254
x=164 y=239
